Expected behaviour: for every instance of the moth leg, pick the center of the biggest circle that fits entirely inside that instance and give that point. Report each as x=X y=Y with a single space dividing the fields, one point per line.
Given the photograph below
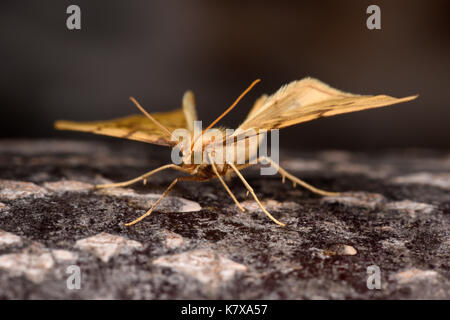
x=154 y=205
x=250 y=189
x=224 y=184
x=142 y=177
x=174 y=182
x=295 y=180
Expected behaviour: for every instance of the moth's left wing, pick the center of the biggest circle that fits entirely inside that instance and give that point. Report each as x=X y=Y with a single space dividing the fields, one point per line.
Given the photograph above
x=310 y=99
x=189 y=109
x=134 y=127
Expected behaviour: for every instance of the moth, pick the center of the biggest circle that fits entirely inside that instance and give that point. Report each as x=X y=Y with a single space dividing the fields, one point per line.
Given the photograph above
x=297 y=102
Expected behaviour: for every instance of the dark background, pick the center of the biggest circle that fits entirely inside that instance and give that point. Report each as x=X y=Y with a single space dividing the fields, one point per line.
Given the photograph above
x=155 y=50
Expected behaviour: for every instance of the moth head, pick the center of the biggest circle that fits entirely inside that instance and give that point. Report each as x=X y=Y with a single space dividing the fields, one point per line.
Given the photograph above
x=183 y=154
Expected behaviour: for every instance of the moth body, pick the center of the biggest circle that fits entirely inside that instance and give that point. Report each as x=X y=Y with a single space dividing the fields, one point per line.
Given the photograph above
x=218 y=152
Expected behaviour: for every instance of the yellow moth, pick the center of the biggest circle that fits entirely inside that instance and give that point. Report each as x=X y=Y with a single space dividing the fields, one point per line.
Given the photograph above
x=297 y=102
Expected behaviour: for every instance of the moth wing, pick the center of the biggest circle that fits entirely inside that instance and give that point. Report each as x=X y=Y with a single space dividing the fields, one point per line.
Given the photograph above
x=189 y=109
x=258 y=104
x=310 y=99
x=234 y=140
x=134 y=127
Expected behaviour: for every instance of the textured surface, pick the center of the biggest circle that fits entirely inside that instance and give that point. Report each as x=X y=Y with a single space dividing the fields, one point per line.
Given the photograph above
x=394 y=213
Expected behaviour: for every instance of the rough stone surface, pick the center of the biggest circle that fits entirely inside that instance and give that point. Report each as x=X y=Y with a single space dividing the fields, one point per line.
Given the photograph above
x=394 y=213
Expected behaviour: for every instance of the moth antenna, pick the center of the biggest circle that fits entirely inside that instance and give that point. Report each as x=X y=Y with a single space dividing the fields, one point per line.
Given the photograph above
x=228 y=110
x=150 y=117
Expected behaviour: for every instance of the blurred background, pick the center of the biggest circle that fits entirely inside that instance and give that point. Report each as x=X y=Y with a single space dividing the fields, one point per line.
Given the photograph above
x=155 y=50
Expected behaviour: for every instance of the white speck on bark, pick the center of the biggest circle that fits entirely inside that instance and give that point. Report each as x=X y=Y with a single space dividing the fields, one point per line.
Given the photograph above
x=357 y=199
x=342 y=250
x=335 y=156
x=145 y=201
x=393 y=244
x=172 y=239
x=441 y=180
x=410 y=207
x=8 y=239
x=272 y=205
x=105 y=245
x=302 y=165
x=204 y=265
x=34 y=262
x=319 y=253
x=68 y=186
x=414 y=274
x=377 y=172
x=13 y=190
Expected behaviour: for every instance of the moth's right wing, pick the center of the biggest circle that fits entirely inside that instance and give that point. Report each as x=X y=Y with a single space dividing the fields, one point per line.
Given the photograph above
x=134 y=127
x=140 y=128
